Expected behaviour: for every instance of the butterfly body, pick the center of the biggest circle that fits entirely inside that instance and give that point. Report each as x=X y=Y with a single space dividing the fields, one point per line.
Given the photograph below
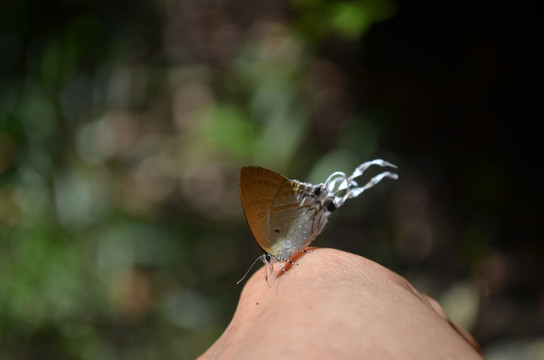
x=284 y=215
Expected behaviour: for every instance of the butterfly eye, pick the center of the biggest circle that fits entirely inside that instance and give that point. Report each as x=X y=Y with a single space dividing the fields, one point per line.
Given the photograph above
x=277 y=231
x=329 y=205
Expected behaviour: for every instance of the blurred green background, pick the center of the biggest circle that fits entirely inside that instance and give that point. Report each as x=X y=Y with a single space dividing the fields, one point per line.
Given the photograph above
x=123 y=125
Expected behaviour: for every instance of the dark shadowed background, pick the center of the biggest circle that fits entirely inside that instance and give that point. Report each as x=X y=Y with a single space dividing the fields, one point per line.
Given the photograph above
x=123 y=126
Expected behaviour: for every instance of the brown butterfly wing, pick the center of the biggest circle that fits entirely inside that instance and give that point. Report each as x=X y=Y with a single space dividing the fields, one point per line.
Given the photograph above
x=258 y=188
x=291 y=217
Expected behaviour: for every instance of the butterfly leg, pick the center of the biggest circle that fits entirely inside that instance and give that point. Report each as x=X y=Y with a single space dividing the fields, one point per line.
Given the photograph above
x=286 y=260
x=266 y=273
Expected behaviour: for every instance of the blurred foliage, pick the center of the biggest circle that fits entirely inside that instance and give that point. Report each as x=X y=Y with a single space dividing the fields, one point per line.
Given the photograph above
x=123 y=126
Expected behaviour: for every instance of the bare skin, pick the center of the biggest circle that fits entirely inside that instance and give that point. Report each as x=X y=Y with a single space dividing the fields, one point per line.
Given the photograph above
x=336 y=305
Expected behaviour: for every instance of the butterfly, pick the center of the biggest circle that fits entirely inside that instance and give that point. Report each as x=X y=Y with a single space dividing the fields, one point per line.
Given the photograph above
x=285 y=216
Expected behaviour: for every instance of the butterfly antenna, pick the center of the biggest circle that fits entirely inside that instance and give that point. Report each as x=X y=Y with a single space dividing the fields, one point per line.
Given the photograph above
x=248 y=270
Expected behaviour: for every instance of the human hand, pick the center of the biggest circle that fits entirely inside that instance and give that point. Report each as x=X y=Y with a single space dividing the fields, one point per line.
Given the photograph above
x=338 y=305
